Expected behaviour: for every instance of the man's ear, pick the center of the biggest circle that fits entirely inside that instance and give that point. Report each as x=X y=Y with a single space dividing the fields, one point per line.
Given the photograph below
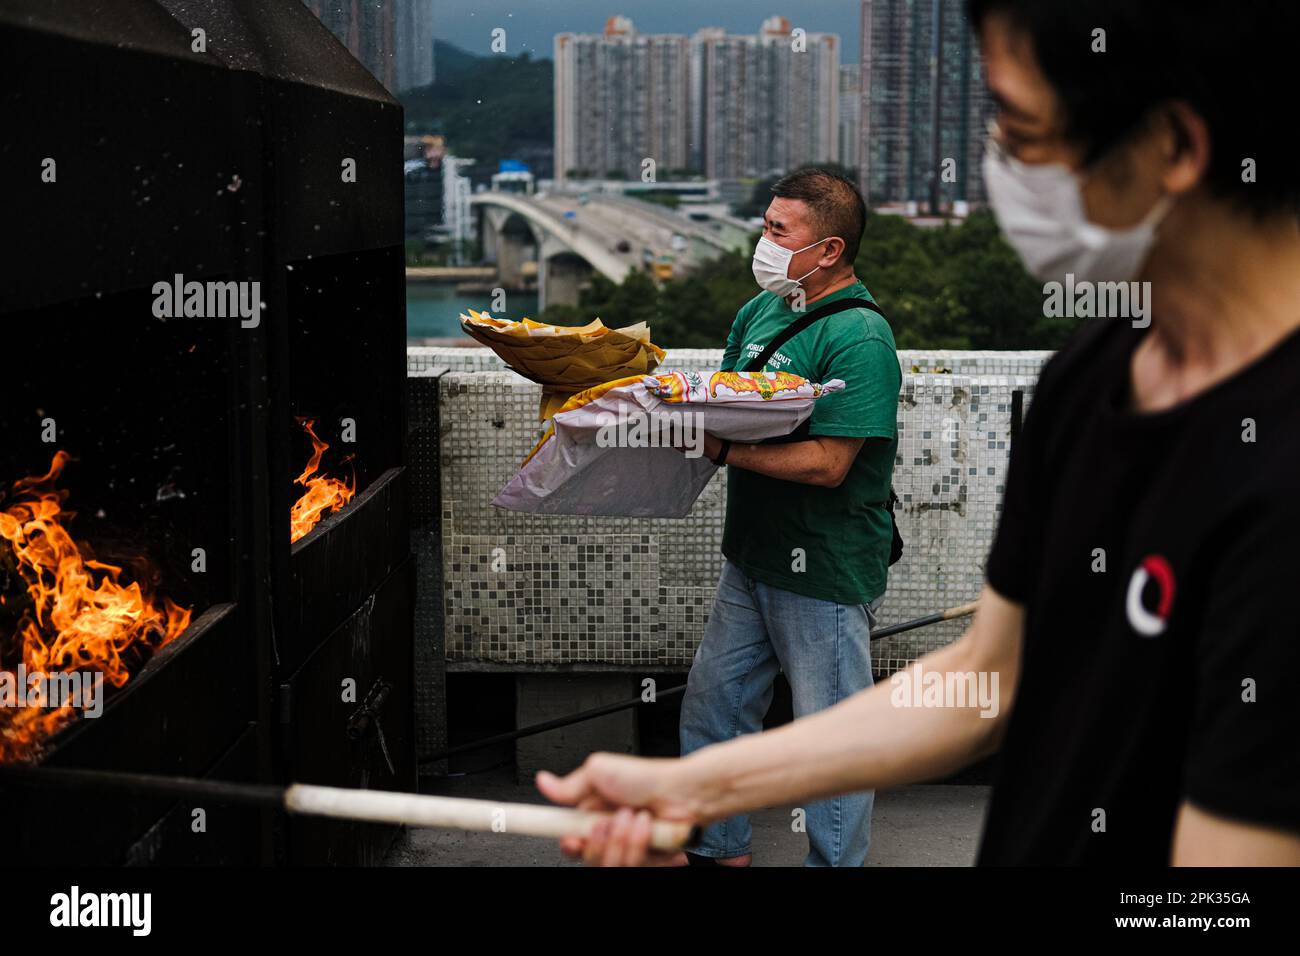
x=834 y=252
x=1187 y=149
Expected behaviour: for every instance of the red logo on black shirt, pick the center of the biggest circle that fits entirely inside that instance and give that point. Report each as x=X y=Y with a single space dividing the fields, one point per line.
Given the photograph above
x=1148 y=607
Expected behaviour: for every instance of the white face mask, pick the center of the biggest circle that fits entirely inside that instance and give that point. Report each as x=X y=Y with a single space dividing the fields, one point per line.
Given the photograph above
x=771 y=267
x=1041 y=212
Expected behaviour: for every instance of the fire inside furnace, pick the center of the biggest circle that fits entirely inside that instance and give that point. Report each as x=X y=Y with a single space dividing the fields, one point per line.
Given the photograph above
x=324 y=494
x=65 y=616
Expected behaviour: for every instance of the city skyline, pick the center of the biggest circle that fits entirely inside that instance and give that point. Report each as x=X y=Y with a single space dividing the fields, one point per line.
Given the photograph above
x=532 y=28
x=734 y=105
x=730 y=106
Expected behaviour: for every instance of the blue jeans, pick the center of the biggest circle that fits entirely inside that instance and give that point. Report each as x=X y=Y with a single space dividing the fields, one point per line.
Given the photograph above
x=754 y=631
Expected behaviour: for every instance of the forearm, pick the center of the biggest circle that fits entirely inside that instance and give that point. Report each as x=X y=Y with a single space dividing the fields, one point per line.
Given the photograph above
x=807 y=462
x=863 y=743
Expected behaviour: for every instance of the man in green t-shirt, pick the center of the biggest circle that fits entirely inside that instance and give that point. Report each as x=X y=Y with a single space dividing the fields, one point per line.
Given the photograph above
x=808 y=527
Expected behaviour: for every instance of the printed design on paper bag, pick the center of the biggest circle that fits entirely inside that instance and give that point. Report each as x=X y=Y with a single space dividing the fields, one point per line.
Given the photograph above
x=766 y=384
x=692 y=387
x=676 y=386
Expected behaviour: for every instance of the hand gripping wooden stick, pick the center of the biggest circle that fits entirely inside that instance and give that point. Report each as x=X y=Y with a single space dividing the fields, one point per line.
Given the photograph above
x=377 y=806
x=420 y=810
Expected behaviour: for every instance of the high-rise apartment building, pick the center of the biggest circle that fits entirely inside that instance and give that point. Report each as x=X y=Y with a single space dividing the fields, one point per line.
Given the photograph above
x=850 y=114
x=414 y=44
x=725 y=114
x=621 y=98
x=764 y=103
x=730 y=107
x=898 y=153
x=368 y=28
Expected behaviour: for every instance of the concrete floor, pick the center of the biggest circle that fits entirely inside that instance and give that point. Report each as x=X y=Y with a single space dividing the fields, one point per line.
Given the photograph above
x=929 y=825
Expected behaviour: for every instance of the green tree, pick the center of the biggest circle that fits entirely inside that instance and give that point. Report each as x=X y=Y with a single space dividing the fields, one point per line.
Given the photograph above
x=950 y=287
x=696 y=312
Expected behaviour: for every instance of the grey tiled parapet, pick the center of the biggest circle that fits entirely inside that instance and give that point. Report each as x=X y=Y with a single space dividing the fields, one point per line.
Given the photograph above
x=534 y=589
x=479 y=359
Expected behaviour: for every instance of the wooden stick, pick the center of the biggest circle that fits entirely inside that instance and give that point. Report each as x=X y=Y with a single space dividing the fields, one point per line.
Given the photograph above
x=421 y=810
x=962 y=610
x=378 y=806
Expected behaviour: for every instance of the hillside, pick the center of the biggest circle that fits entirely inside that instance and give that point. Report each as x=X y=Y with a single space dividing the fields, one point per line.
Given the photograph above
x=488 y=107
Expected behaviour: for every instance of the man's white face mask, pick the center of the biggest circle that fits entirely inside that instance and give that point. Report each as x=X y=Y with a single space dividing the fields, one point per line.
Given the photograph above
x=1041 y=212
x=771 y=267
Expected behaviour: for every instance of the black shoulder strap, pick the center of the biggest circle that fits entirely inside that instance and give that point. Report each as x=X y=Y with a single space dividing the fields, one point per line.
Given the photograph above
x=801 y=323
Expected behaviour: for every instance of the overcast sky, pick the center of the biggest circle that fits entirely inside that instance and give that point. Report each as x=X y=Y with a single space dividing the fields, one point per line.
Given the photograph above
x=531 y=24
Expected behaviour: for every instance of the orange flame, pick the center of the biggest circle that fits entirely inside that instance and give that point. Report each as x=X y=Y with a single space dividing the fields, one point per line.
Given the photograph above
x=323 y=493
x=82 y=617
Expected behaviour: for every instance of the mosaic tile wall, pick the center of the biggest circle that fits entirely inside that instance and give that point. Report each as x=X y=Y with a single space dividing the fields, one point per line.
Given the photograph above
x=478 y=359
x=529 y=589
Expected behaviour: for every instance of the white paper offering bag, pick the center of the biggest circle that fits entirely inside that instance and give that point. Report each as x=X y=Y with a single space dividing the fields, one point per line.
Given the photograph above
x=610 y=450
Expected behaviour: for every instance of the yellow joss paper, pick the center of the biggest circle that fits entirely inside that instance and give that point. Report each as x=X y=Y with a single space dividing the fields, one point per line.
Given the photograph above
x=565 y=360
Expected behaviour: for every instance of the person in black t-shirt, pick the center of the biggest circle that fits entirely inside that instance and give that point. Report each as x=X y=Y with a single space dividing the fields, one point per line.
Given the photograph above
x=1136 y=638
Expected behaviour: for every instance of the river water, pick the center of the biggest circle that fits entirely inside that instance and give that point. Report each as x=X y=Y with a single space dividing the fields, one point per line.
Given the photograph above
x=432 y=308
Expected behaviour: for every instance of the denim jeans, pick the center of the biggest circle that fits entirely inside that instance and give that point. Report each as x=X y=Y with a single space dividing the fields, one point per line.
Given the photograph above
x=824 y=648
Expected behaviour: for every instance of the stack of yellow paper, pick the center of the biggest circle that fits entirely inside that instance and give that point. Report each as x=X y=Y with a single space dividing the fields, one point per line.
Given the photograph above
x=565 y=360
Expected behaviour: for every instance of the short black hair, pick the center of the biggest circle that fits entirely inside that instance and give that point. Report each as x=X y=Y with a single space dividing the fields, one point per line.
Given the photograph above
x=833 y=201
x=1232 y=61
